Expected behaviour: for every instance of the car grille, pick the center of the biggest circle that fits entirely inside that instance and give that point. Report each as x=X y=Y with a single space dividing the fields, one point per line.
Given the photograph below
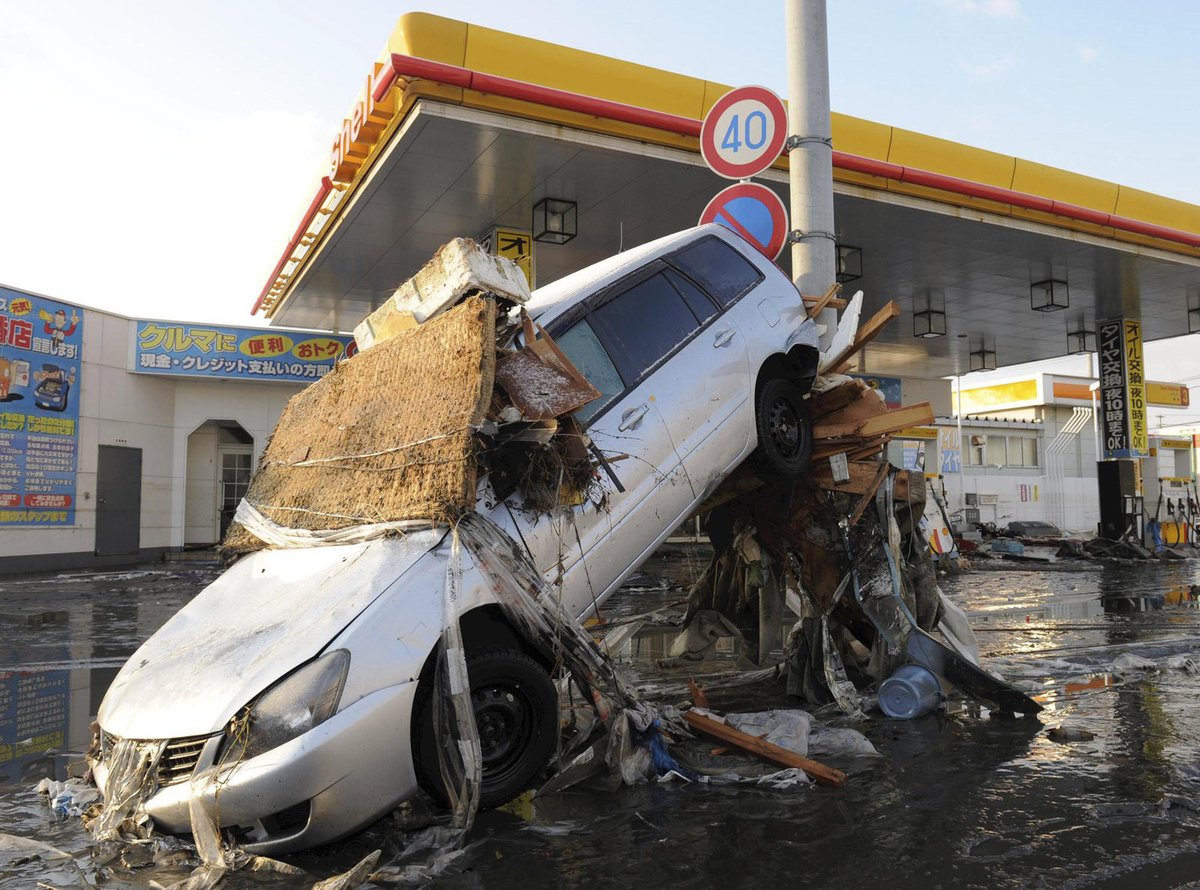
x=179 y=759
x=175 y=764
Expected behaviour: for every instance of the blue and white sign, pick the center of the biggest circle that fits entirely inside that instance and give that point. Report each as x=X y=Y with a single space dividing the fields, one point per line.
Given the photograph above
x=174 y=349
x=41 y=356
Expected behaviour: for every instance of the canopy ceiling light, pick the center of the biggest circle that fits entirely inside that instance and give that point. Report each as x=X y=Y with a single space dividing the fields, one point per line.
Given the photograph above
x=983 y=359
x=849 y=263
x=1049 y=295
x=1081 y=341
x=930 y=322
x=554 y=220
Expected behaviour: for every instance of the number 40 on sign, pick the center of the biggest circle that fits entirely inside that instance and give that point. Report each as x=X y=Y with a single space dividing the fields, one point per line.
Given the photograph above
x=744 y=132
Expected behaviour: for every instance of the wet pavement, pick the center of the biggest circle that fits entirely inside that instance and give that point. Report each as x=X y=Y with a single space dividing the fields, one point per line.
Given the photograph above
x=960 y=798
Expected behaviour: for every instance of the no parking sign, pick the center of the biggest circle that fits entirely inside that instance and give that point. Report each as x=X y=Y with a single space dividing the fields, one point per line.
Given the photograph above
x=754 y=212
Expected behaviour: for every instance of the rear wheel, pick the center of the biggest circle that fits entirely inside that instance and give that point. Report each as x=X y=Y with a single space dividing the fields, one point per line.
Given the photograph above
x=516 y=713
x=784 y=427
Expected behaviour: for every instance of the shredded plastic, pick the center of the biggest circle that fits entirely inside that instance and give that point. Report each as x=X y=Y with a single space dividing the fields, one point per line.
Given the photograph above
x=276 y=535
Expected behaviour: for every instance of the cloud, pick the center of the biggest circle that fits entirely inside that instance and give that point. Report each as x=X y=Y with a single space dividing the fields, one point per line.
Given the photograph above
x=1088 y=54
x=996 y=9
x=990 y=70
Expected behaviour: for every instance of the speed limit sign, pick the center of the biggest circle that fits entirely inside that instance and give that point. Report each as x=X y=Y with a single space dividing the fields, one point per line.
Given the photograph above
x=744 y=132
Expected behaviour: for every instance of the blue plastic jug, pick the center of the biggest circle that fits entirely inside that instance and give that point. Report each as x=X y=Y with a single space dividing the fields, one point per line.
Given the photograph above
x=909 y=692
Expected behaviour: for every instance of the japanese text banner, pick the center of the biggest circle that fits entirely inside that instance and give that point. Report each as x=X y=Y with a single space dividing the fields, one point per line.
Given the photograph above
x=191 y=350
x=41 y=353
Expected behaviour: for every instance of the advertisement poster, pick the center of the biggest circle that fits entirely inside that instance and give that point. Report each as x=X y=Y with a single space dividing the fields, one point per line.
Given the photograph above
x=1122 y=389
x=33 y=716
x=196 y=350
x=888 y=387
x=41 y=355
x=951 y=449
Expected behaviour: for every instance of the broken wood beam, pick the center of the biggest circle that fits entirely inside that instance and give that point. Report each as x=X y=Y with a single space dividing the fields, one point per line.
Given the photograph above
x=714 y=729
x=866 y=333
x=699 y=699
x=814 y=305
x=870 y=405
x=862 y=475
x=888 y=422
x=869 y=494
x=825 y=403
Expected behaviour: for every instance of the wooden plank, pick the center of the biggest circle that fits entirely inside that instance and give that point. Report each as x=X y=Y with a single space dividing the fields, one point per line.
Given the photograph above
x=826 y=299
x=867 y=332
x=870 y=405
x=825 y=403
x=707 y=726
x=868 y=496
x=811 y=301
x=699 y=699
x=869 y=450
x=862 y=475
x=887 y=422
x=897 y=419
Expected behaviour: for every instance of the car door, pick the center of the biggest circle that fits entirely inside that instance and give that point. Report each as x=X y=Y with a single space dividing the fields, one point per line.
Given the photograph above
x=714 y=413
x=628 y=343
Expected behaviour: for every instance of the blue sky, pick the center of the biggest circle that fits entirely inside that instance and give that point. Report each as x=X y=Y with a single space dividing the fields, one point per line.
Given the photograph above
x=157 y=155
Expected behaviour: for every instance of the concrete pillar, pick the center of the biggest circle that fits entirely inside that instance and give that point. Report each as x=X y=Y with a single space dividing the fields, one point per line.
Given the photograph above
x=814 y=255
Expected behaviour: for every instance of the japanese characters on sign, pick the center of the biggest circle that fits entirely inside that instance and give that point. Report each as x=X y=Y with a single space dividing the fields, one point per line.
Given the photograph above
x=187 y=350
x=1135 y=373
x=40 y=359
x=33 y=715
x=1122 y=389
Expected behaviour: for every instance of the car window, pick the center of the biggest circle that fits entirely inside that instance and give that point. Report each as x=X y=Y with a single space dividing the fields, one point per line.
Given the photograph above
x=584 y=350
x=699 y=302
x=717 y=268
x=643 y=324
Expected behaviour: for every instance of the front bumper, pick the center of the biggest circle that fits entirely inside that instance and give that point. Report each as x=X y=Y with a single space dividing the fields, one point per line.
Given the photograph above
x=350 y=770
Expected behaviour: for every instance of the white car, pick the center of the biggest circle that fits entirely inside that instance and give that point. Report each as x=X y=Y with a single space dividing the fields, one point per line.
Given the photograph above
x=703 y=352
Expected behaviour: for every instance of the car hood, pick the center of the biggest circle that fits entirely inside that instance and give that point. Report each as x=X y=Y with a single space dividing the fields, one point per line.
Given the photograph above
x=270 y=612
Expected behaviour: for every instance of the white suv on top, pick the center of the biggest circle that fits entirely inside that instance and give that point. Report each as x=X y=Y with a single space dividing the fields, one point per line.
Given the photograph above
x=702 y=351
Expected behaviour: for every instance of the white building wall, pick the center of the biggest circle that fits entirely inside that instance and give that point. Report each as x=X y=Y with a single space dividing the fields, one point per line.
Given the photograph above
x=155 y=414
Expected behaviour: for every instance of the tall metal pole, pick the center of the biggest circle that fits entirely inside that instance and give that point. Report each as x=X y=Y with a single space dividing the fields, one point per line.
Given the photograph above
x=810 y=158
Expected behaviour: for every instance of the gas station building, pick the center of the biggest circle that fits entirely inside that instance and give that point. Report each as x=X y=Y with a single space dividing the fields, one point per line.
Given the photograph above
x=558 y=158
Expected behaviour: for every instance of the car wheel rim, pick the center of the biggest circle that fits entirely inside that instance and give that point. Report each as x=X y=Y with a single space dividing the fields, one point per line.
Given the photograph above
x=784 y=428
x=504 y=719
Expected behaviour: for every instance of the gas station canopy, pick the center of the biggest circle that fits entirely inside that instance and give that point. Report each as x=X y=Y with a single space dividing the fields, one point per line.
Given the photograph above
x=461 y=129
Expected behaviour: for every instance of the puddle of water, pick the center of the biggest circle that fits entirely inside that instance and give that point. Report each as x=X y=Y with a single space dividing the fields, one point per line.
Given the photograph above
x=959 y=798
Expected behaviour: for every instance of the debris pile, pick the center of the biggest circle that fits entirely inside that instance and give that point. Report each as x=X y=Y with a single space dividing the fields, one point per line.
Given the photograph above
x=845 y=549
x=443 y=347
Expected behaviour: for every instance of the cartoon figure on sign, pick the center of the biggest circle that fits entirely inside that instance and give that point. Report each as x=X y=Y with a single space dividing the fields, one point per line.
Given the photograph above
x=53 y=389
x=58 y=329
x=6 y=373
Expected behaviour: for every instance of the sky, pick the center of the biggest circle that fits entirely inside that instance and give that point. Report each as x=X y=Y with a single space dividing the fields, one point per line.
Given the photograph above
x=156 y=157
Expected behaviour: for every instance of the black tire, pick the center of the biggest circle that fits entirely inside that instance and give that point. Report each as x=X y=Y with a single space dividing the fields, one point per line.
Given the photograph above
x=784 y=427
x=516 y=712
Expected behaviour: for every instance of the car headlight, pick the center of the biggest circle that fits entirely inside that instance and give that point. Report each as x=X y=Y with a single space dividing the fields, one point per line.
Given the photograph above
x=297 y=703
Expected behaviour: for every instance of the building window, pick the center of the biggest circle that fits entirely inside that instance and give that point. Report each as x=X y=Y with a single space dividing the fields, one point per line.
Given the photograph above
x=977 y=453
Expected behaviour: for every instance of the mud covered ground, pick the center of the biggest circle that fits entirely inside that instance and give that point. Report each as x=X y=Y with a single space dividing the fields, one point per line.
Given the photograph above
x=959 y=798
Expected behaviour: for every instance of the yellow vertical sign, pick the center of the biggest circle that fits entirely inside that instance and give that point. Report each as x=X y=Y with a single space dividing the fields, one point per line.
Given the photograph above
x=515 y=245
x=1135 y=382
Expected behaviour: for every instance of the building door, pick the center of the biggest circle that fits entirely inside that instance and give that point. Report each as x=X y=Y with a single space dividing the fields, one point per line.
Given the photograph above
x=233 y=480
x=118 y=500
